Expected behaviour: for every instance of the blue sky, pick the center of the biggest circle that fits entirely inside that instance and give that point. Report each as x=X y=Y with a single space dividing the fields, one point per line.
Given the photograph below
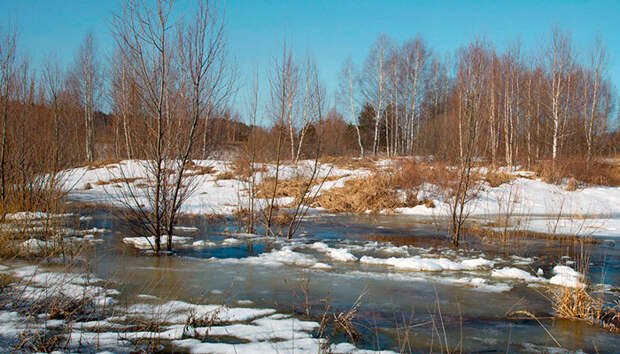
x=333 y=30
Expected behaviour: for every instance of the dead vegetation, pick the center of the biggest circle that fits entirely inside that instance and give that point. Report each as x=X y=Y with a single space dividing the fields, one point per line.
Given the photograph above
x=599 y=172
x=292 y=187
x=192 y=170
x=382 y=191
x=351 y=163
x=579 y=304
x=118 y=180
x=358 y=195
x=496 y=179
x=107 y=163
x=225 y=175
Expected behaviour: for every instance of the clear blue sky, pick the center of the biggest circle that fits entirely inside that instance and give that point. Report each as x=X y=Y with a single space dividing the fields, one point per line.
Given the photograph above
x=333 y=30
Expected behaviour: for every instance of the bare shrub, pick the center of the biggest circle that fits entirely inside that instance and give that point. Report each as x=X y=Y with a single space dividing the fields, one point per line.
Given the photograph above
x=580 y=169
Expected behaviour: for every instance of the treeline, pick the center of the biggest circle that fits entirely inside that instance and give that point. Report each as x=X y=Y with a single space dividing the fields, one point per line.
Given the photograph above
x=405 y=99
x=553 y=103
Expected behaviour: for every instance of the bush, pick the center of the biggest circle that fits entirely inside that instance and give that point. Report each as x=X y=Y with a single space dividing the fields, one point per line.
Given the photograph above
x=596 y=172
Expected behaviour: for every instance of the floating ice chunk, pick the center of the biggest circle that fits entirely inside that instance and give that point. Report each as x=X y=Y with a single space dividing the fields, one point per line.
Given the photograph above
x=231 y=241
x=188 y=229
x=567 y=277
x=477 y=263
x=338 y=254
x=34 y=215
x=514 y=273
x=320 y=265
x=203 y=243
x=285 y=256
x=428 y=264
x=145 y=243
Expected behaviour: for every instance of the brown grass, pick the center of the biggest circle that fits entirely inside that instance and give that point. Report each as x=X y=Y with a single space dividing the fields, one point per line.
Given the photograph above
x=496 y=179
x=117 y=180
x=292 y=187
x=347 y=162
x=224 y=176
x=375 y=193
x=242 y=167
x=104 y=163
x=596 y=172
x=485 y=234
x=578 y=304
x=196 y=170
x=281 y=216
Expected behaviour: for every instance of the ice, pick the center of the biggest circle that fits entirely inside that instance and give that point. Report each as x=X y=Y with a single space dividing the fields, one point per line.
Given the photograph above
x=338 y=254
x=567 y=277
x=514 y=273
x=34 y=215
x=203 y=243
x=417 y=263
x=145 y=243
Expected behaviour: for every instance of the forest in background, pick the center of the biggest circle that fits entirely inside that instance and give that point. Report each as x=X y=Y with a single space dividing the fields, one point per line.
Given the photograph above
x=556 y=104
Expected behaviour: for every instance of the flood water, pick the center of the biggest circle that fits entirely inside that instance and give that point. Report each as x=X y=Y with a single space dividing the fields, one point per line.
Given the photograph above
x=399 y=309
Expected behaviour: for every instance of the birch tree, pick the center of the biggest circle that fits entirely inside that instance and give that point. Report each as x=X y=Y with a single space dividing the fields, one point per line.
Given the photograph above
x=559 y=62
x=347 y=96
x=373 y=82
x=8 y=45
x=89 y=79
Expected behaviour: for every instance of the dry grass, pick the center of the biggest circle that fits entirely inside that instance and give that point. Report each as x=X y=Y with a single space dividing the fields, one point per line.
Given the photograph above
x=346 y=322
x=579 y=304
x=496 y=179
x=243 y=168
x=104 y=163
x=346 y=162
x=281 y=217
x=292 y=187
x=224 y=176
x=596 y=172
x=486 y=234
x=116 y=181
x=376 y=193
x=196 y=170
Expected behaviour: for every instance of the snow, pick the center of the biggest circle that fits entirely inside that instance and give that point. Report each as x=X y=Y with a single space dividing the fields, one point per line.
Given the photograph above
x=211 y=196
x=338 y=254
x=417 y=263
x=567 y=277
x=514 y=273
x=147 y=243
x=598 y=207
x=35 y=215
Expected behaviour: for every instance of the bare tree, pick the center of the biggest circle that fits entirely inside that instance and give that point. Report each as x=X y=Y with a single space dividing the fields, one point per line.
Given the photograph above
x=282 y=82
x=202 y=59
x=593 y=79
x=415 y=57
x=473 y=65
x=307 y=101
x=347 y=97
x=559 y=62
x=373 y=82
x=124 y=97
x=89 y=78
x=8 y=45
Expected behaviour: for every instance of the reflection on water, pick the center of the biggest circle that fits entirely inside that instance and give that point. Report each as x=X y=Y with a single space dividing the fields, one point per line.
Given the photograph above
x=463 y=306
